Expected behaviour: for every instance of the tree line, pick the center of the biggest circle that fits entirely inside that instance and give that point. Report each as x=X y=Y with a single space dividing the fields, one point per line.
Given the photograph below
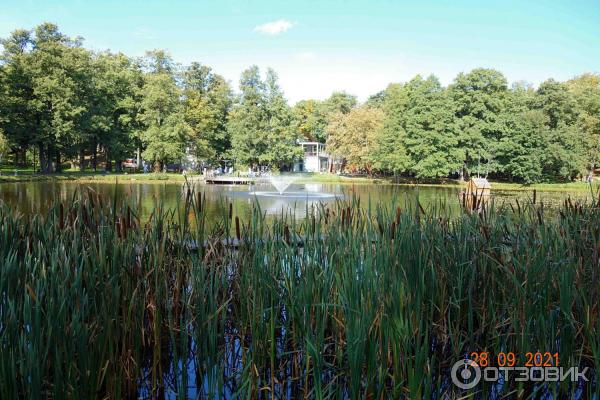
x=62 y=102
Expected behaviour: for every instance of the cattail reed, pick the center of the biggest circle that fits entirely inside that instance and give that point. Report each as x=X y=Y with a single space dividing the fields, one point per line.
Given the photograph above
x=349 y=302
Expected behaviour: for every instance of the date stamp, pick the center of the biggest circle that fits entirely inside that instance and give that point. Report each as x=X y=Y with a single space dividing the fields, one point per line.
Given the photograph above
x=512 y=359
x=526 y=367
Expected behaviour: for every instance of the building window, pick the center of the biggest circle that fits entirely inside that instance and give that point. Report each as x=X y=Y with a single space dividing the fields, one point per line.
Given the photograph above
x=310 y=150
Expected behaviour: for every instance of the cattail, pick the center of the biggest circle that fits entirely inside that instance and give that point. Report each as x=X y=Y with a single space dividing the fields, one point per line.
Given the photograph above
x=61 y=222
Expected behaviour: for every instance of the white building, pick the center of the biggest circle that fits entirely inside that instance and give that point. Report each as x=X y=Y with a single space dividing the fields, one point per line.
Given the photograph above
x=315 y=158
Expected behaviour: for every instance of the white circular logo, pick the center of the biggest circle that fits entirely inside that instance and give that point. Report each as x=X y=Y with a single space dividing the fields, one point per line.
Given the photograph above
x=465 y=374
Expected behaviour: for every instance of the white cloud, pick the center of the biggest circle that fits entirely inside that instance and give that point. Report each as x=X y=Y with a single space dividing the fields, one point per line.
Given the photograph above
x=275 y=27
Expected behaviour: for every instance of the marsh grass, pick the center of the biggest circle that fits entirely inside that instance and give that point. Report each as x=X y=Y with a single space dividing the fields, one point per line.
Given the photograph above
x=355 y=301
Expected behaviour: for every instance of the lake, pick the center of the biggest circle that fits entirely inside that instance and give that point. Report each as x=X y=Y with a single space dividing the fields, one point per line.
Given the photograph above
x=32 y=197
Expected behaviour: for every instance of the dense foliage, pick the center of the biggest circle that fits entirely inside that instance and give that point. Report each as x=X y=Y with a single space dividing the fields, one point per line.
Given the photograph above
x=61 y=102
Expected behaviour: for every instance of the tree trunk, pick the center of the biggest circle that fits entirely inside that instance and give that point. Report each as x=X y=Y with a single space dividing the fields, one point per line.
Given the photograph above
x=95 y=156
x=42 y=158
x=49 y=168
x=81 y=159
x=57 y=167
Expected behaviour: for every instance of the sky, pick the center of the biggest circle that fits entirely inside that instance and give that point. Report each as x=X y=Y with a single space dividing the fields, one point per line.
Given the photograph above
x=318 y=47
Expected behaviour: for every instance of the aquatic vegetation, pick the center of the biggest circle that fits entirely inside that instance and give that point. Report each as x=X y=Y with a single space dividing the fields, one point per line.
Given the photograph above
x=355 y=301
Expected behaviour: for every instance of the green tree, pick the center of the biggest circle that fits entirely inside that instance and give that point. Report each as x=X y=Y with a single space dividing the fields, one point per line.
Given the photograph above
x=58 y=67
x=390 y=153
x=281 y=136
x=586 y=91
x=479 y=99
x=17 y=116
x=339 y=102
x=4 y=146
x=246 y=124
x=310 y=120
x=166 y=133
x=260 y=124
x=567 y=145
x=431 y=134
x=519 y=152
x=208 y=100
x=115 y=104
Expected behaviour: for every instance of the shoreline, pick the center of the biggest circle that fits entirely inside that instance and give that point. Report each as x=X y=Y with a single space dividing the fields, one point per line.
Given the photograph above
x=168 y=178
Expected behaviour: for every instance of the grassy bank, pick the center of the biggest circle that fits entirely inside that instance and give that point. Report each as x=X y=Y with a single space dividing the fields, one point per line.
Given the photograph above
x=86 y=177
x=373 y=304
x=8 y=175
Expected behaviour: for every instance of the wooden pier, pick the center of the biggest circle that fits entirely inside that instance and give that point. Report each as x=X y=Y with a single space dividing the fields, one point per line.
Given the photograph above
x=229 y=180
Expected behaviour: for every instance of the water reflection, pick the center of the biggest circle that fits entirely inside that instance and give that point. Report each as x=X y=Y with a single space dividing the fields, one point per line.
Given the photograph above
x=32 y=197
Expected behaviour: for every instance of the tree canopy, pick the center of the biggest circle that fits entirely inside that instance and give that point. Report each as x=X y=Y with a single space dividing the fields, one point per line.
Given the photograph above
x=60 y=102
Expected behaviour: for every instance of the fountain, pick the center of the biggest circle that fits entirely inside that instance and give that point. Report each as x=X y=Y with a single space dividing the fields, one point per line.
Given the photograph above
x=282 y=182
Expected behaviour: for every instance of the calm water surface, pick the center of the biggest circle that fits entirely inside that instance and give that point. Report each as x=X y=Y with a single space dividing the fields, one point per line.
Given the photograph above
x=32 y=197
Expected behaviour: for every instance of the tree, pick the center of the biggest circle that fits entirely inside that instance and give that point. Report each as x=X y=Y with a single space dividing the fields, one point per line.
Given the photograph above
x=354 y=136
x=339 y=102
x=207 y=103
x=519 y=152
x=586 y=91
x=260 y=124
x=17 y=118
x=566 y=147
x=390 y=153
x=431 y=133
x=4 y=147
x=310 y=120
x=115 y=104
x=166 y=131
x=281 y=138
x=557 y=102
x=565 y=153
x=246 y=124
x=58 y=69
x=479 y=99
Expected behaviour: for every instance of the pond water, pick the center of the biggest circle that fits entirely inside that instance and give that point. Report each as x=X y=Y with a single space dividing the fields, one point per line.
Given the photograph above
x=31 y=197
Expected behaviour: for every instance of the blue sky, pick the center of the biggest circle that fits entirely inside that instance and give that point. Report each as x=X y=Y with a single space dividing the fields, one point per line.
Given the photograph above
x=321 y=46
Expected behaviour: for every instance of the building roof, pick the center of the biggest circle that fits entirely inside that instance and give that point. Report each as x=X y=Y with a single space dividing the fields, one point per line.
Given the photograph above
x=312 y=143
